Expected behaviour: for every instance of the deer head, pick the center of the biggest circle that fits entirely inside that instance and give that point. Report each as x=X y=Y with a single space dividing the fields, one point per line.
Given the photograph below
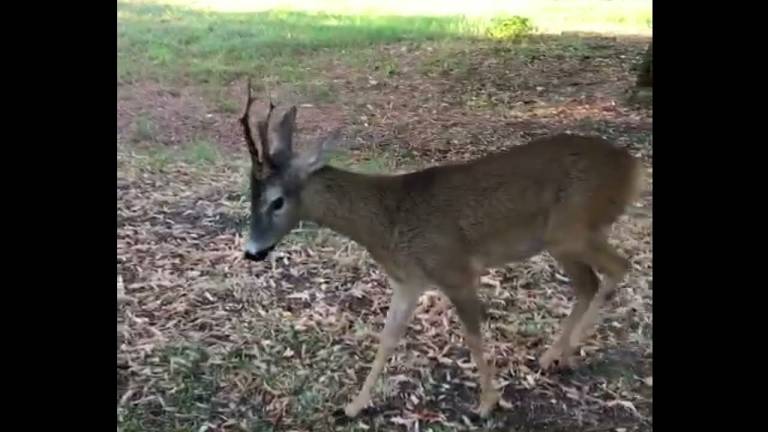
x=277 y=176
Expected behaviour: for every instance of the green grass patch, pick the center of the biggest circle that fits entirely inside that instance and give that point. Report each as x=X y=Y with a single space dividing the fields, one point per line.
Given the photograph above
x=201 y=151
x=510 y=28
x=190 y=392
x=198 y=152
x=166 y=42
x=220 y=100
x=316 y=91
x=144 y=129
x=158 y=158
x=374 y=161
x=218 y=42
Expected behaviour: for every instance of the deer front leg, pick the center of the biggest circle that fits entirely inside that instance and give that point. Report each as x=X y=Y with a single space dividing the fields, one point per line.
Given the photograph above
x=402 y=305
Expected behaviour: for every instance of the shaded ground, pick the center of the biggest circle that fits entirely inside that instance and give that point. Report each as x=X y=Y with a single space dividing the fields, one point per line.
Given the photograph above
x=210 y=342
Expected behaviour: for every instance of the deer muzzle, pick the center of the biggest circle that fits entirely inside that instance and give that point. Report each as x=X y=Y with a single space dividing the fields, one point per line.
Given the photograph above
x=255 y=253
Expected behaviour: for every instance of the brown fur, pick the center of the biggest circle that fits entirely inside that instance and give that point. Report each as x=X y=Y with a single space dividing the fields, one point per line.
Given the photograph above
x=501 y=208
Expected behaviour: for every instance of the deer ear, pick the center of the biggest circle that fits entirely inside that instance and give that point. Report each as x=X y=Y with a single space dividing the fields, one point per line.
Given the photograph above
x=288 y=119
x=282 y=129
x=318 y=155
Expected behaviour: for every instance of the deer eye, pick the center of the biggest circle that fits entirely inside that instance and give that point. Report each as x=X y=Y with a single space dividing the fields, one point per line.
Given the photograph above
x=277 y=204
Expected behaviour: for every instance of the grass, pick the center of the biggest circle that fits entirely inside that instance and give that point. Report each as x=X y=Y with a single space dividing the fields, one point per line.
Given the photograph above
x=625 y=16
x=165 y=42
x=220 y=99
x=199 y=152
x=193 y=393
x=202 y=152
x=216 y=42
x=144 y=129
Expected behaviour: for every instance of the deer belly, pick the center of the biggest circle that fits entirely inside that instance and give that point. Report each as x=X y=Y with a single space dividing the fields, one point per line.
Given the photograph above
x=505 y=249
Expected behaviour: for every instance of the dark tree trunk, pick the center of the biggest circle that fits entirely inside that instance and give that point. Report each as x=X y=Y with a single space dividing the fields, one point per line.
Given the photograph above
x=645 y=75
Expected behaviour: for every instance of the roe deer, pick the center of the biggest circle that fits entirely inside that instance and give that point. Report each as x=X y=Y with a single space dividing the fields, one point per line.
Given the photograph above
x=441 y=227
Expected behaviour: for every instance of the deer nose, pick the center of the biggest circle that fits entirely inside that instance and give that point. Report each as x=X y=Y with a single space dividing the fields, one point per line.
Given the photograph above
x=258 y=256
x=252 y=252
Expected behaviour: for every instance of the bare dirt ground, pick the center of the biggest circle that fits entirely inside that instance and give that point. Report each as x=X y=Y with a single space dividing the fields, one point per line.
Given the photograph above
x=208 y=341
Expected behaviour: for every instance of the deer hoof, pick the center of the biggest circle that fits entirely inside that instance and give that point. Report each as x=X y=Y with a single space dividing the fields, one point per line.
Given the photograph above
x=488 y=402
x=353 y=408
x=551 y=357
x=557 y=358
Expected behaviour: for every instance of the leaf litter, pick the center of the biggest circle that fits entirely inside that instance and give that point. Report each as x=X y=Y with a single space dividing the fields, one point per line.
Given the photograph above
x=208 y=341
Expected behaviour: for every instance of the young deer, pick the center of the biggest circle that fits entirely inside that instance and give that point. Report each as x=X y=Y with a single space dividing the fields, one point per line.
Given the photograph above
x=441 y=227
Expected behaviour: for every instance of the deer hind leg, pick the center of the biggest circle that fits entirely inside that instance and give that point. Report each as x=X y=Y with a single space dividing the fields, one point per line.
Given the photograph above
x=464 y=297
x=601 y=256
x=404 y=300
x=585 y=284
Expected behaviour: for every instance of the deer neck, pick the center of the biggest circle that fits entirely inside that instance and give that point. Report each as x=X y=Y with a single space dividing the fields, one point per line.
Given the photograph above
x=351 y=204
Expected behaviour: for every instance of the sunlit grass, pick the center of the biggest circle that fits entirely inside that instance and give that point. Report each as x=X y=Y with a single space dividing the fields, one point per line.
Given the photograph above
x=620 y=16
x=161 y=41
x=208 y=41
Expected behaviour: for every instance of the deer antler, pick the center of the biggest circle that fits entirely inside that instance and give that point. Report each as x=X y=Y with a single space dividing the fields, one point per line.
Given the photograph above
x=259 y=153
x=263 y=125
x=256 y=154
